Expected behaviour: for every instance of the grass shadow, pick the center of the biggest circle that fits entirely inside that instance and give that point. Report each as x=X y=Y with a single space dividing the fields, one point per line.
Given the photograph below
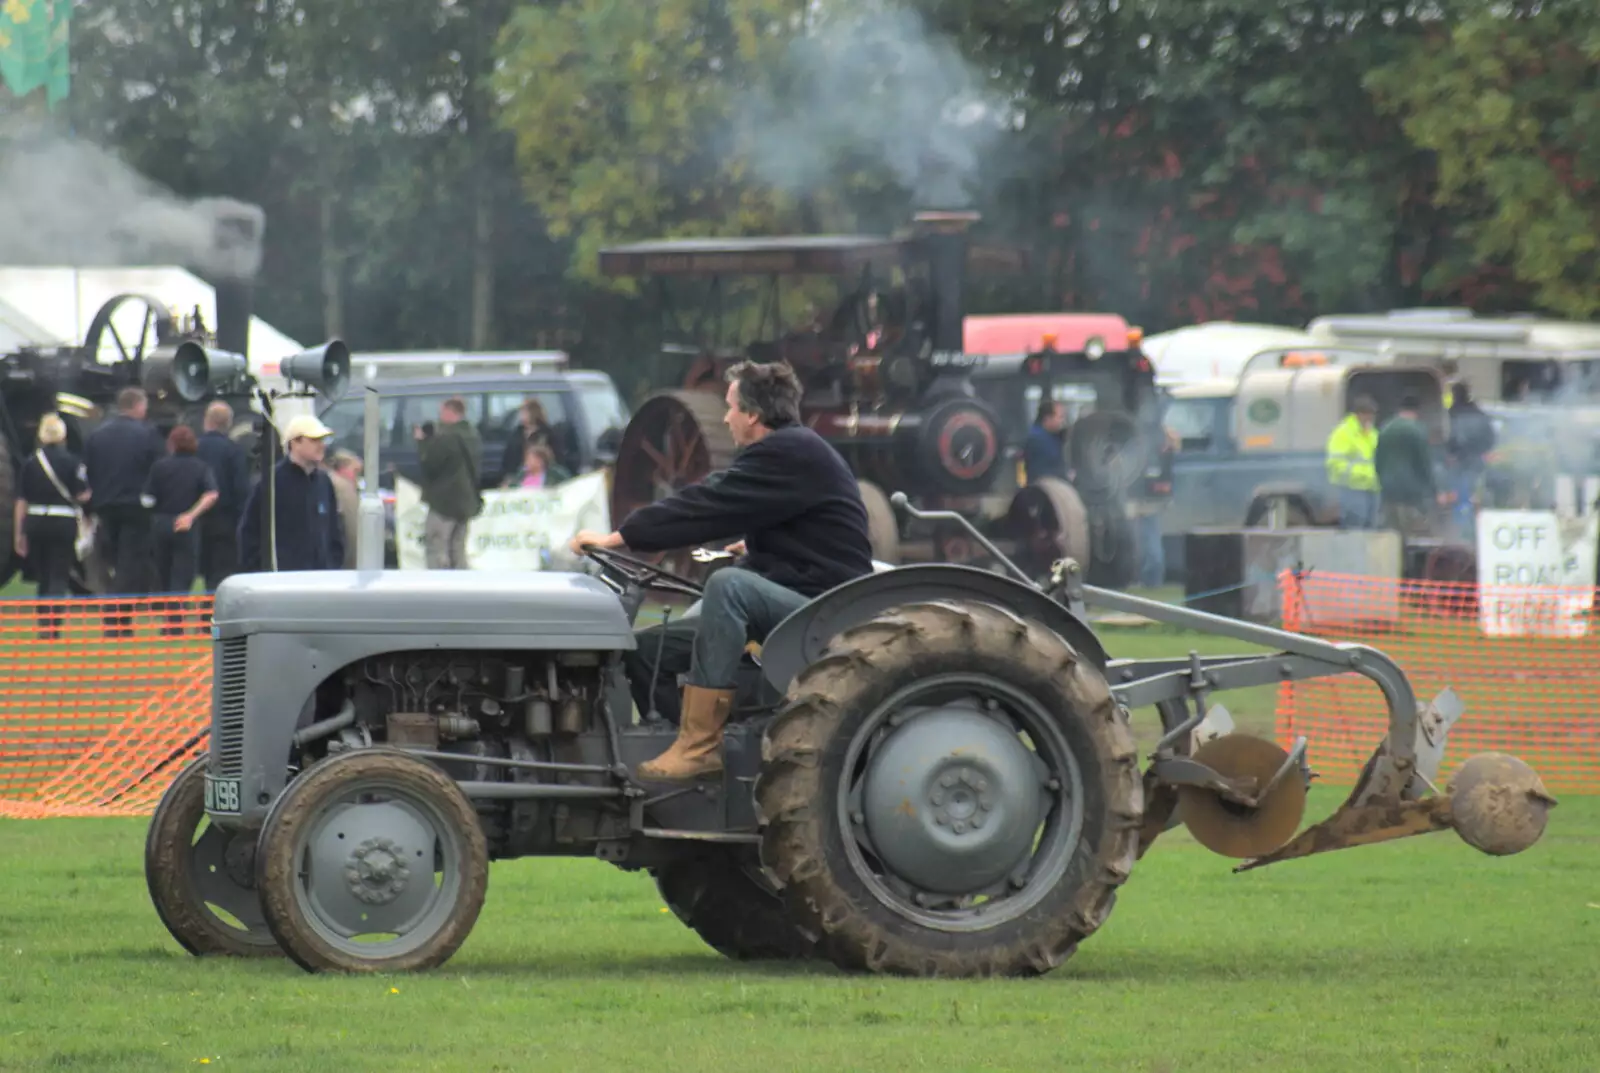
x=643 y=966
x=1275 y=964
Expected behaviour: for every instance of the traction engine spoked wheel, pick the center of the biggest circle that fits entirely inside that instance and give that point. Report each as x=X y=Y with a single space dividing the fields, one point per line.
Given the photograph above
x=1048 y=521
x=372 y=861
x=883 y=530
x=1457 y=566
x=721 y=895
x=674 y=439
x=126 y=329
x=191 y=878
x=950 y=791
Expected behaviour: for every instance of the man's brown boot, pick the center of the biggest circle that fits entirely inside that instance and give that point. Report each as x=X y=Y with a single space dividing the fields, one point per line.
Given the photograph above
x=697 y=752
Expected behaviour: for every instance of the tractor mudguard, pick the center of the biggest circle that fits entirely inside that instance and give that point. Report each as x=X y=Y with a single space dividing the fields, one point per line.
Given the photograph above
x=800 y=639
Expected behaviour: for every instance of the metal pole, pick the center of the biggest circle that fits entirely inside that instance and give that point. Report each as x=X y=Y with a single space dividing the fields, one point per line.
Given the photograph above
x=269 y=506
x=369 y=516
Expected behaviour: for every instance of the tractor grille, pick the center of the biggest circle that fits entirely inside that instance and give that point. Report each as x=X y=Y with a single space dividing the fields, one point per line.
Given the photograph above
x=227 y=706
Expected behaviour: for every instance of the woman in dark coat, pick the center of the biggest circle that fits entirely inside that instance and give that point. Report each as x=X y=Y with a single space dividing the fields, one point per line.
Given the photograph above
x=45 y=525
x=180 y=488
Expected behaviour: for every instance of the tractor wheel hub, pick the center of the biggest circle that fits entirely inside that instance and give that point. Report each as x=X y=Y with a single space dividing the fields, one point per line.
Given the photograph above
x=961 y=799
x=952 y=801
x=376 y=871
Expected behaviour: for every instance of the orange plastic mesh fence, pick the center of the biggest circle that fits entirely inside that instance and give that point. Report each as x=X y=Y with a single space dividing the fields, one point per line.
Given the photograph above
x=1525 y=661
x=102 y=700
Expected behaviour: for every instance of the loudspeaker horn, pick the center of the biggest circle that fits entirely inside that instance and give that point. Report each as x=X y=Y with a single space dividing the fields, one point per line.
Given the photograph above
x=325 y=368
x=187 y=370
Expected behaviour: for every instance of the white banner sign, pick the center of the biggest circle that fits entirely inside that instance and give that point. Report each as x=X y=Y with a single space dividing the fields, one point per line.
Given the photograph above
x=519 y=529
x=1536 y=573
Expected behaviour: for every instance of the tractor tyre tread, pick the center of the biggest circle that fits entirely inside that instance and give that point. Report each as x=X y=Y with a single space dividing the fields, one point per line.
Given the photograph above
x=170 y=833
x=714 y=897
x=805 y=745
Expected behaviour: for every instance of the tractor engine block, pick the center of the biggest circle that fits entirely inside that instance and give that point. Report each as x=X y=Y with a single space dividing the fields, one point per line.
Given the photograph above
x=539 y=707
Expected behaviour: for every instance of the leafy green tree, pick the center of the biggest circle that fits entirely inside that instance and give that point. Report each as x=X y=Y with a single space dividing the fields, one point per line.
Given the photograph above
x=1213 y=160
x=1506 y=101
x=732 y=118
x=364 y=131
x=620 y=112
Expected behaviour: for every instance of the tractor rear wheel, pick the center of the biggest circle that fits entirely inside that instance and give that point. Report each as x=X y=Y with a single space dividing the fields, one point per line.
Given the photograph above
x=191 y=878
x=950 y=790
x=372 y=861
x=718 y=894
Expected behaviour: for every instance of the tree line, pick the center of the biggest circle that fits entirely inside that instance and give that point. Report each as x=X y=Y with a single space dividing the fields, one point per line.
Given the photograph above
x=441 y=173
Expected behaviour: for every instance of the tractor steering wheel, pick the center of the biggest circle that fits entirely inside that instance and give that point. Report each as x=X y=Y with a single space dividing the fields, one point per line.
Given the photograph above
x=638 y=572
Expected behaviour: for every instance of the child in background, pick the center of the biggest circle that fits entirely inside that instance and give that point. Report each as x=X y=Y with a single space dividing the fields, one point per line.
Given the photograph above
x=539 y=469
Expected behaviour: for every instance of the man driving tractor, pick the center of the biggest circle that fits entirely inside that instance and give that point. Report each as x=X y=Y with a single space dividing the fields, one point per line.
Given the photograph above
x=796 y=505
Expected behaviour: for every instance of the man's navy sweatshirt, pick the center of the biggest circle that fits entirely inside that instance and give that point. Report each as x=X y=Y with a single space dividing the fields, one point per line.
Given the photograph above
x=310 y=535
x=789 y=495
x=231 y=469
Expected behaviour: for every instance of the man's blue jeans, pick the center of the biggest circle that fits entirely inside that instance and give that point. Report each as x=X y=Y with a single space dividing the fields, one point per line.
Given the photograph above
x=738 y=607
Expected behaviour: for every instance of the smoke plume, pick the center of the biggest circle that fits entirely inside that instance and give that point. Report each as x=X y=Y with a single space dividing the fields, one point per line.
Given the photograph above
x=67 y=202
x=873 y=87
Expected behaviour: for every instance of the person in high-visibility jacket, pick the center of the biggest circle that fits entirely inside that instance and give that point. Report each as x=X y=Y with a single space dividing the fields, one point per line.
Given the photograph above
x=1351 y=469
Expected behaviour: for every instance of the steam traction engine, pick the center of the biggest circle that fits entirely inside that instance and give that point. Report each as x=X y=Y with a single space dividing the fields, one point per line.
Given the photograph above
x=890 y=380
x=1117 y=453
x=133 y=341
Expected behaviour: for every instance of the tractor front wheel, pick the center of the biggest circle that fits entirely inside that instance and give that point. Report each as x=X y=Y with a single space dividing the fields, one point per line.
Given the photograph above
x=193 y=881
x=372 y=861
x=950 y=790
x=720 y=895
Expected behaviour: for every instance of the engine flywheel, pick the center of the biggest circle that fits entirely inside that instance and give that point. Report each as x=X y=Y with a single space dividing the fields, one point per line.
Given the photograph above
x=1232 y=829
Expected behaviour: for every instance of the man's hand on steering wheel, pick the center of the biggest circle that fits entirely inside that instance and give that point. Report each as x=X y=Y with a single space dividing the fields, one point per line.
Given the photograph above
x=588 y=537
x=601 y=549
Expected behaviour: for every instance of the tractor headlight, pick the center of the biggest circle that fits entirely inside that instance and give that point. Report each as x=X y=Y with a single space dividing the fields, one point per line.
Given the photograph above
x=1095 y=348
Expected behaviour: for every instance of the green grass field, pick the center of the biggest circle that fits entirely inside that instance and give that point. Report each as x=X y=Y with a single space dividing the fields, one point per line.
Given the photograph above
x=1417 y=955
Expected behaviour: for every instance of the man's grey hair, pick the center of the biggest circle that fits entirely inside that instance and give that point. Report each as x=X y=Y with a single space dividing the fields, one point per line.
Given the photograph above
x=342 y=459
x=769 y=391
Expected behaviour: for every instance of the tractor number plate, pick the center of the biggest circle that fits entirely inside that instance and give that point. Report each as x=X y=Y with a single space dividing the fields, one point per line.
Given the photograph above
x=222 y=795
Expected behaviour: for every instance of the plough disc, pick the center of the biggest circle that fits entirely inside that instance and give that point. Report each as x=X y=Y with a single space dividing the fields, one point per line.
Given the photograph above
x=1233 y=829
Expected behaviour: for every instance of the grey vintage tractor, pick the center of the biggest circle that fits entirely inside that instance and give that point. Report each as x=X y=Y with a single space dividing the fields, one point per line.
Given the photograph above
x=930 y=772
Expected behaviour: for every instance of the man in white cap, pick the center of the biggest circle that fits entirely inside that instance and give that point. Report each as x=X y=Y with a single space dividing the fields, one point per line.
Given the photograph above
x=308 y=534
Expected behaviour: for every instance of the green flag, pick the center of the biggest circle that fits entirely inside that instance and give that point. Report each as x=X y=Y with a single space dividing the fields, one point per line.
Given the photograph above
x=33 y=47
